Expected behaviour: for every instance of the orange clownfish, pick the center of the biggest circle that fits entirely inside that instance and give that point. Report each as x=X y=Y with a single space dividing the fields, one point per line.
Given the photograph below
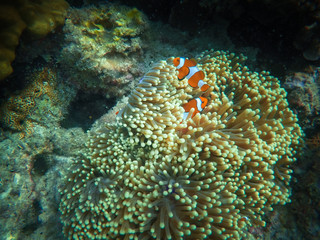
x=198 y=104
x=187 y=69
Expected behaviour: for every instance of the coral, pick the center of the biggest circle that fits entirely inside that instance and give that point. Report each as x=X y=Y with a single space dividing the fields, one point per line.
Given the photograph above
x=18 y=189
x=313 y=142
x=152 y=175
x=9 y=38
x=16 y=110
x=43 y=16
x=38 y=17
x=304 y=96
x=31 y=172
x=305 y=207
x=102 y=45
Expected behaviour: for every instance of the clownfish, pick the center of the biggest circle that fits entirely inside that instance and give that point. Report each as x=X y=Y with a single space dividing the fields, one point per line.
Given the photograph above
x=198 y=104
x=187 y=69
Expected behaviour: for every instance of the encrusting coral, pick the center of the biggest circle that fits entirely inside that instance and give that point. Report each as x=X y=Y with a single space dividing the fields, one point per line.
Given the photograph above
x=102 y=45
x=38 y=17
x=153 y=175
x=16 y=110
x=304 y=95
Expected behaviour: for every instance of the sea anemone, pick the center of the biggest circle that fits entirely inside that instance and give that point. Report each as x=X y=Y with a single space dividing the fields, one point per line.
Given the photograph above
x=156 y=176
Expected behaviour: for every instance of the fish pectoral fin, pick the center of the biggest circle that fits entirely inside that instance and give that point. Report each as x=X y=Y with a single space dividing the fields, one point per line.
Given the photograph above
x=180 y=77
x=183 y=72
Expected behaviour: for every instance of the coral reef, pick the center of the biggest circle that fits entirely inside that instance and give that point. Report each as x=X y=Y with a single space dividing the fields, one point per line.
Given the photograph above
x=102 y=46
x=9 y=38
x=31 y=172
x=17 y=189
x=38 y=17
x=16 y=111
x=151 y=175
x=305 y=207
x=32 y=164
x=304 y=96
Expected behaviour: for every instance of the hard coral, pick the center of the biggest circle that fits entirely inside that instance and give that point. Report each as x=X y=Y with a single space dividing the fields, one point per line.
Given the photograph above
x=102 y=46
x=43 y=16
x=152 y=175
x=304 y=96
x=38 y=17
x=16 y=110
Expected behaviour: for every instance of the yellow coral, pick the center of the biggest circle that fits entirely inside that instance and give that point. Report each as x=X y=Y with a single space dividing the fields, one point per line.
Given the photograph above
x=110 y=26
x=43 y=16
x=38 y=17
x=11 y=28
x=135 y=15
x=98 y=43
x=152 y=175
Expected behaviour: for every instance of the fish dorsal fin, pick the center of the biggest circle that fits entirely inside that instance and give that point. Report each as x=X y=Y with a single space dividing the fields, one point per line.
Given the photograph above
x=193 y=61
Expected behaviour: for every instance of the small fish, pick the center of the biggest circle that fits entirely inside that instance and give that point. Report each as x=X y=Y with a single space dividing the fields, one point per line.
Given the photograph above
x=141 y=79
x=187 y=69
x=244 y=218
x=119 y=114
x=198 y=104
